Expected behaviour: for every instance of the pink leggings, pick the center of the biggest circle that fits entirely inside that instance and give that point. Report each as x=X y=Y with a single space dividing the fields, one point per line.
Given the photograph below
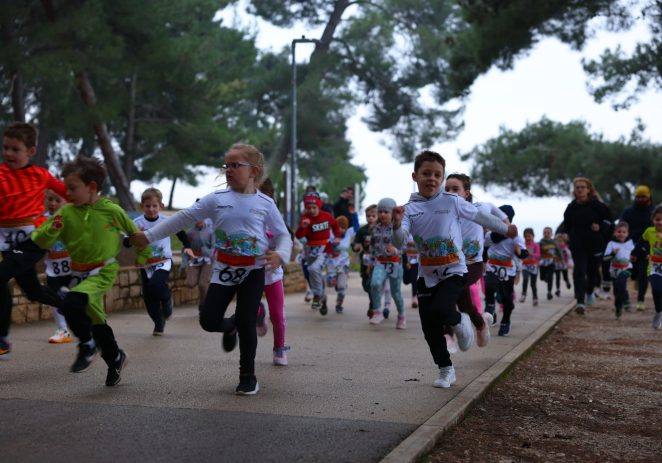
x=476 y=296
x=275 y=300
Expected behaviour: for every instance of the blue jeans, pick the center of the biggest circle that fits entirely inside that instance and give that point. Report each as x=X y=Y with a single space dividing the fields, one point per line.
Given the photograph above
x=379 y=274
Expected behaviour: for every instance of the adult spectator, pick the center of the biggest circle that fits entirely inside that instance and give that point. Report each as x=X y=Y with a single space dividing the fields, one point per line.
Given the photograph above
x=588 y=223
x=341 y=207
x=638 y=217
x=325 y=203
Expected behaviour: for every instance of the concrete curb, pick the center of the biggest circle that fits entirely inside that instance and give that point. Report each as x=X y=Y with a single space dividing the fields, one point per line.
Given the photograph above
x=423 y=439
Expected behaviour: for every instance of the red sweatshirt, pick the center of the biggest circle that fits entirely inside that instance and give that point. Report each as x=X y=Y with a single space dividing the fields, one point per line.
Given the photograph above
x=319 y=230
x=22 y=191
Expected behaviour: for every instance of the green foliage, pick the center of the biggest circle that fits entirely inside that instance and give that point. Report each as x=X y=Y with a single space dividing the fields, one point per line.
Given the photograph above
x=543 y=158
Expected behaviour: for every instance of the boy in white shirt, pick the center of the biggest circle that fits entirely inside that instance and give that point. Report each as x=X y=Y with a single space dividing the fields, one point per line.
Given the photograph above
x=617 y=254
x=433 y=219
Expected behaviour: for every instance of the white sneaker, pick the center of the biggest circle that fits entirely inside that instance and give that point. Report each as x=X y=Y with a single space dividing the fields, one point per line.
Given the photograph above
x=402 y=323
x=451 y=344
x=61 y=336
x=446 y=377
x=522 y=298
x=464 y=332
x=483 y=335
x=657 y=321
x=377 y=317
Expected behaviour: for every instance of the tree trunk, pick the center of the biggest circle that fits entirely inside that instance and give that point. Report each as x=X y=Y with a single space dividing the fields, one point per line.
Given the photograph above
x=280 y=155
x=15 y=78
x=130 y=142
x=113 y=165
x=172 y=193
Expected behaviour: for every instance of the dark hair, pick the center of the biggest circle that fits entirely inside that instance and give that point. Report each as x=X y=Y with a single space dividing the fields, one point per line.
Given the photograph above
x=88 y=169
x=372 y=207
x=528 y=230
x=151 y=193
x=466 y=183
x=27 y=133
x=267 y=187
x=622 y=224
x=656 y=210
x=425 y=156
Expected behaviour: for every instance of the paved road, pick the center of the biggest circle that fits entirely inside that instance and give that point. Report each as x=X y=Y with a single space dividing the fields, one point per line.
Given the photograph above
x=351 y=393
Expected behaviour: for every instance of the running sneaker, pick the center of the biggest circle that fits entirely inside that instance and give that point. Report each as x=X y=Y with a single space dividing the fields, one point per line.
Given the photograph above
x=535 y=301
x=248 y=385
x=558 y=293
x=590 y=299
x=230 y=337
x=446 y=377
x=549 y=296
x=323 y=308
x=261 y=324
x=114 y=372
x=657 y=321
x=377 y=317
x=158 y=330
x=580 y=309
x=370 y=312
x=84 y=358
x=619 y=312
x=627 y=307
x=386 y=312
x=5 y=350
x=504 y=329
x=339 y=301
x=61 y=336
x=483 y=334
x=568 y=285
x=490 y=309
x=308 y=297
x=280 y=355
x=402 y=323
x=451 y=343
x=522 y=298
x=641 y=307
x=317 y=303
x=464 y=332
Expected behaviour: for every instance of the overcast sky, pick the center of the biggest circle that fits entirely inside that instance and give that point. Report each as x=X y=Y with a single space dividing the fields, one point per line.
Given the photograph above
x=549 y=82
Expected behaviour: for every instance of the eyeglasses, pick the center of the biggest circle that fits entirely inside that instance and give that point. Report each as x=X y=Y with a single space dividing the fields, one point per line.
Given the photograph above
x=235 y=165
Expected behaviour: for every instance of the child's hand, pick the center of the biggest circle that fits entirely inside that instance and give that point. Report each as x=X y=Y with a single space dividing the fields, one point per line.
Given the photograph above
x=390 y=250
x=397 y=214
x=408 y=266
x=138 y=239
x=595 y=227
x=305 y=222
x=272 y=260
x=57 y=223
x=512 y=231
x=336 y=240
x=189 y=252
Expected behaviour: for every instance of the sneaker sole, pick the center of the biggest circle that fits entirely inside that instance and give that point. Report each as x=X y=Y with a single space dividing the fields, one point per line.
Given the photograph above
x=253 y=392
x=94 y=357
x=122 y=367
x=5 y=357
x=59 y=341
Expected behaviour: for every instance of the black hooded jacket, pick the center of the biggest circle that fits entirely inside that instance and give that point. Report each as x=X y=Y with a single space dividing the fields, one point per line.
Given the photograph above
x=577 y=221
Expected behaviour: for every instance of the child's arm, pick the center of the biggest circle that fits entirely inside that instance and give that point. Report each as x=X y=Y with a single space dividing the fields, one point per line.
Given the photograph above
x=47 y=234
x=57 y=186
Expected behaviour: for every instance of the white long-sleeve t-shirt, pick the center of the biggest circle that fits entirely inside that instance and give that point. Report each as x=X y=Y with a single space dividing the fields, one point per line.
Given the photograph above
x=473 y=234
x=240 y=224
x=435 y=224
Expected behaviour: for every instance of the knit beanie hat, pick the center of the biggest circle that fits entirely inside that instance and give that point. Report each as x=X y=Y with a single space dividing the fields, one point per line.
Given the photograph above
x=386 y=204
x=312 y=198
x=643 y=190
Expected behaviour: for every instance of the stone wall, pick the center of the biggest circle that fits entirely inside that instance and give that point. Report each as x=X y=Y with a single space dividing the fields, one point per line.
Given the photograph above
x=126 y=294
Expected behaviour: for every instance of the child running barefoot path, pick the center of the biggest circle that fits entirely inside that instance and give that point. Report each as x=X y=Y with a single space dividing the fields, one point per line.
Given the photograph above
x=22 y=188
x=91 y=228
x=433 y=218
x=241 y=216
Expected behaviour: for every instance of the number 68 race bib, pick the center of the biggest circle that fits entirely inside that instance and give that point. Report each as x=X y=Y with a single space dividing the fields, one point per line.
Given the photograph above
x=231 y=270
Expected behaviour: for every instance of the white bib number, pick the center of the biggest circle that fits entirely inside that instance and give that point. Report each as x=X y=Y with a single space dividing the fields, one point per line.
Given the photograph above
x=532 y=269
x=78 y=277
x=656 y=268
x=10 y=237
x=391 y=268
x=229 y=275
x=164 y=265
x=58 y=267
x=500 y=271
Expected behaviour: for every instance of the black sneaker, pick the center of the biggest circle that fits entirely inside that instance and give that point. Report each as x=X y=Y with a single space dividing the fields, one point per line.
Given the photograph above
x=339 y=309
x=248 y=385
x=230 y=338
x=113 y=377
x=558 y=293
x=549 y=296
x=504 y=329
x=84 y=359
x=323 y=308
x=386 y=313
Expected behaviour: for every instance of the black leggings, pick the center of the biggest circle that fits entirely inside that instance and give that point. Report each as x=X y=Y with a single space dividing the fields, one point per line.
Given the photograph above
x=526 y=276
x=547 y=275
x=436 y=307
x=585 y=273
x=212 y=312
x=157 y=296
x=505 y=289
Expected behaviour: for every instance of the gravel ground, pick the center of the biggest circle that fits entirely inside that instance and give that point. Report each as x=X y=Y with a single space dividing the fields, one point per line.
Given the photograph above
x=591 y=391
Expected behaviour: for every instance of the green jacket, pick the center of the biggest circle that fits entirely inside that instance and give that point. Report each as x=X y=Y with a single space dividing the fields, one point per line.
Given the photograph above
x=91 y=234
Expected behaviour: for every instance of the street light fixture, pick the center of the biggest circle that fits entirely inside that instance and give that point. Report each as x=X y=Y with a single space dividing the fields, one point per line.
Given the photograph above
x=292 y=214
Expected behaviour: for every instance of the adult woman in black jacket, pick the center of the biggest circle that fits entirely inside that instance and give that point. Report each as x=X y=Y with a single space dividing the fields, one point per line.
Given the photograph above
x=588 y=223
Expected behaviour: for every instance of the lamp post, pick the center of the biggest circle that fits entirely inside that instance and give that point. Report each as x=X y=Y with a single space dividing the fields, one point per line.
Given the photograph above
x=292 y=216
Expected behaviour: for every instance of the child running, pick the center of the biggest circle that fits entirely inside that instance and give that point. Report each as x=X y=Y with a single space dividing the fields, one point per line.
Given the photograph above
x=91 y=228
x=653 y=237
x=530 y=266
x=472 y=247
x=549 y=253
x=22 y=188
x=617 y=253
x=338 y=263
x=154 y=274
x=561 y=263
x=275 y=295
x=362 y=245
x=241 y=216
x=433 y=218
x=197 y=259
x=500 y=271
x=316 y=226
x=387 y=265
x=410 y=271
x=57 y=265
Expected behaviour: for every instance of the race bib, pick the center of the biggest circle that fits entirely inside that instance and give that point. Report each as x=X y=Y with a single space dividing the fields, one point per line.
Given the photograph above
x=78 y=277
x=391 y=268
x=532 y=269
x=656 y=265
x=10 y=237
x=231 y=270
x=58 y=267
x=163 y=265
x=498 y=268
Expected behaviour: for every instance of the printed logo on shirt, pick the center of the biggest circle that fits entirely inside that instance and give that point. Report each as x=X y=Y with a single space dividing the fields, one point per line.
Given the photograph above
x=470 y=248
x=240 y=244
x=437 y=251
x=413 y=216
x=320 y=226
x=443 y=211
x=224 y=206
